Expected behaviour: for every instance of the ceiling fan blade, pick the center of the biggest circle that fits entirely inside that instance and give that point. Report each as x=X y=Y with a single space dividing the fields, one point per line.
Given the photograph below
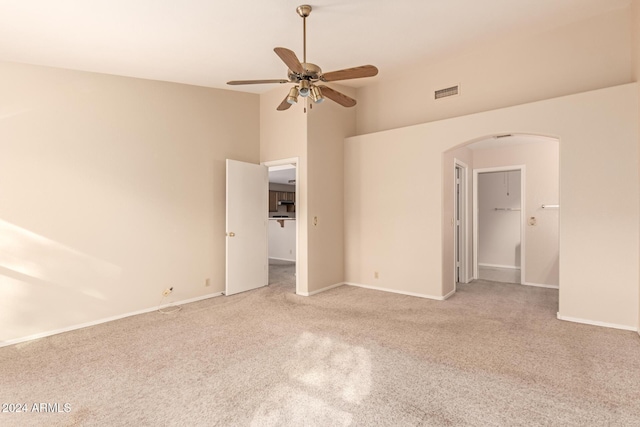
x=256 y=82
x=290 y=59
x=284 y=105
x=338 y=97
x=350 y=73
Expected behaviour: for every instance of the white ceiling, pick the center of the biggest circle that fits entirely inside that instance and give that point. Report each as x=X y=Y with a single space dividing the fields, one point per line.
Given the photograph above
x=282 y=175
x=208 y=42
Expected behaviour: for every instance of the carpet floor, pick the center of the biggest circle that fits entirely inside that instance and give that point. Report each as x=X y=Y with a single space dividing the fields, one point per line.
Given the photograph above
x=494 y=354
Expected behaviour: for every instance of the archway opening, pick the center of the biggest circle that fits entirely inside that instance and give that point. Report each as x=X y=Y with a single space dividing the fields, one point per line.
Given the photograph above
x=479 y=238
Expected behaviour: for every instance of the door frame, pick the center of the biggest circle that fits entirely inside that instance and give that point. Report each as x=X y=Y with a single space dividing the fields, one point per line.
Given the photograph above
x=462 y=199
x=281 y=162
x=476 y=172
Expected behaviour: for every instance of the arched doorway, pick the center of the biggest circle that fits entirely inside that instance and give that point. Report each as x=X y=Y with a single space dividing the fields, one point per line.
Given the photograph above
x=536 y=158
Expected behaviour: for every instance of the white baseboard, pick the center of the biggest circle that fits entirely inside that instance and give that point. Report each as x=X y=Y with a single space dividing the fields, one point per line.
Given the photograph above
x=308 y=294
x=411 y=294
x=105 y=320
x=510 y=267
x=283 y=259
x=449 y=294
x=541 y=285
x=597 y=323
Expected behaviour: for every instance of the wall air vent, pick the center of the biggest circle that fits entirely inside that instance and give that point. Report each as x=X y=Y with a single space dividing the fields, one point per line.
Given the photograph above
x=446 y=92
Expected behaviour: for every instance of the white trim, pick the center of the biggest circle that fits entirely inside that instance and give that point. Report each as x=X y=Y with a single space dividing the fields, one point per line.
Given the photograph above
x=282 y=259
x=541 y=285
x=105 y=320
x=411 y=294
x=597 y=323
x=290 y=161
x=447 y=296
x=510 y=267
x=308 y=294
x=464 y=226
x=523 y=217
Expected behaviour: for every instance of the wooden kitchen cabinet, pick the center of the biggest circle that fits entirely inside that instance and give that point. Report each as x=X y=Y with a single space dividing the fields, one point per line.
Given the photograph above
x=291 y=197
x=273 y=201
x=277 y=196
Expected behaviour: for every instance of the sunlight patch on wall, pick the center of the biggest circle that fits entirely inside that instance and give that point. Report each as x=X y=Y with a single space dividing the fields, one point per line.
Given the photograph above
x=7 y=113
x=35 y=256
x=43 y=281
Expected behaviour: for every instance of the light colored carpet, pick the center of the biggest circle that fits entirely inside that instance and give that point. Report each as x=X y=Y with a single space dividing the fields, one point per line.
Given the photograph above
x=282 y=273
x=493 y=354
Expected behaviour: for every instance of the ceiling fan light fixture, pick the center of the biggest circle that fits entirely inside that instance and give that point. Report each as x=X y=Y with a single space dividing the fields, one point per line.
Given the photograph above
x=306 y=75
x=316 y=94
x=293 y=95
x=304 y=88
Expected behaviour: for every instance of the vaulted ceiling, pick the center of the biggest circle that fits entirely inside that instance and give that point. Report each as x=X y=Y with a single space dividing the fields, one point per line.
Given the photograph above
x=208 y=42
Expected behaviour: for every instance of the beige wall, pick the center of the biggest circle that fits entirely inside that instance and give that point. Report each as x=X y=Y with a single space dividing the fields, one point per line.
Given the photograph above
x=393 y=208
x=579 y=57
x=599 y=191
x=541 y=161
x=635 y=42
x=316 y=138
x=328 y=125
x=113 y=189
x=282 y=133
x=635 y=19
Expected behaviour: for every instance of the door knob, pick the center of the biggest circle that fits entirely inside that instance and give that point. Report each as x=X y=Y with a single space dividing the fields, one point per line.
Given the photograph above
x=232 y=234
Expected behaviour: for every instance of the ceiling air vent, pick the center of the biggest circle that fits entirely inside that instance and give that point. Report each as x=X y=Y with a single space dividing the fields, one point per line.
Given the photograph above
x=446 y=92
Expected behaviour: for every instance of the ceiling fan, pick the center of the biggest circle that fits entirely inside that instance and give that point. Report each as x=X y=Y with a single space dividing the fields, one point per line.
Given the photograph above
x=306 y=75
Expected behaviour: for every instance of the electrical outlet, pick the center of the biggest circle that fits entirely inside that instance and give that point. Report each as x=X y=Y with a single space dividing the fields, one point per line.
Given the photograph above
x=207 y=282
x=167 y=291
x=376 y=275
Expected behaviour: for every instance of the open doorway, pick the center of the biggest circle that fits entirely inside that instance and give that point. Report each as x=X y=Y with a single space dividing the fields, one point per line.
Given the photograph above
x=282 y=225
x=499 y=224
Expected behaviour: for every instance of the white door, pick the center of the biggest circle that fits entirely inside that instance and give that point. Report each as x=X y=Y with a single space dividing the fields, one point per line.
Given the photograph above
x=247 y=211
